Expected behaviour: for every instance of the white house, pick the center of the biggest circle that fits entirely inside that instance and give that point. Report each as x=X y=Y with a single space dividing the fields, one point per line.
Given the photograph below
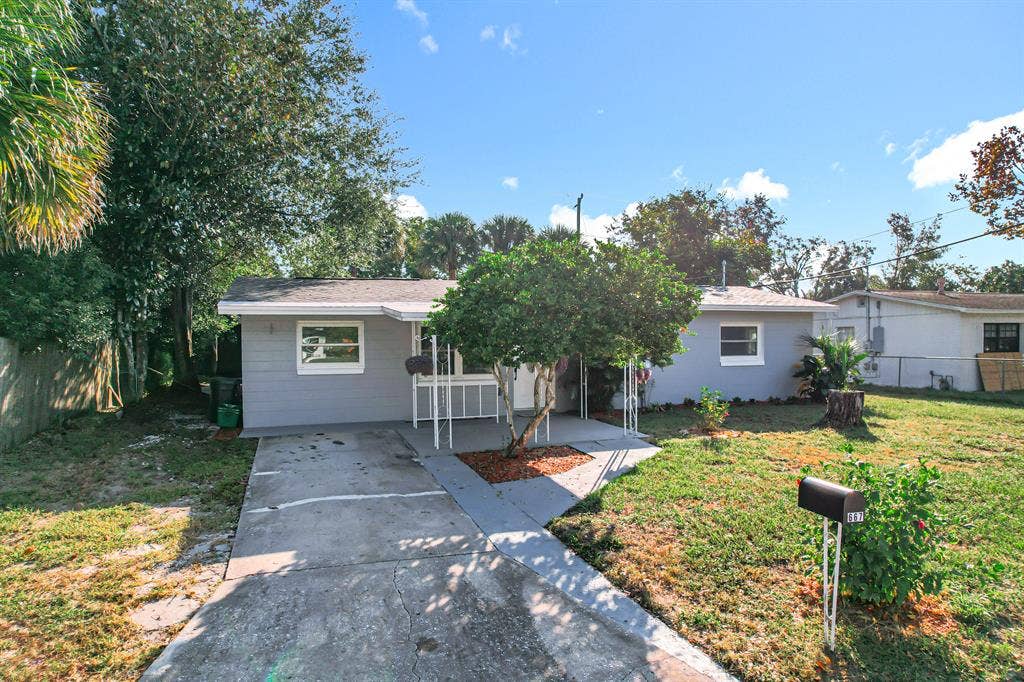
x=928 y=338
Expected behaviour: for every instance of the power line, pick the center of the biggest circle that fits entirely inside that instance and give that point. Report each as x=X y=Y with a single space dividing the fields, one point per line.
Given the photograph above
x=916 y=222
x=847 y=271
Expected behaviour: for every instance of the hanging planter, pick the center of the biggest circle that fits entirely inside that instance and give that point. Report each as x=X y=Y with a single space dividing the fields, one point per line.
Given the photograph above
x=420 y=364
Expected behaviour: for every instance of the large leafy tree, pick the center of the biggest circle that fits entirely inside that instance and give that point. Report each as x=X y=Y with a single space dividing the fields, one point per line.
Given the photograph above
x=842 y=267
x=911 y=270
x=240 y=127
x=448 y=243
x=995 y=186
x=697 y=229
x=1005 y=278
x=793 y=258
x=502 y=232
x=544 y=301
x=53 y=135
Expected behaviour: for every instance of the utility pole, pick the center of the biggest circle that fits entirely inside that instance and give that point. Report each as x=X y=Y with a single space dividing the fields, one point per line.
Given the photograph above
x=723 y=274
x=579 y=205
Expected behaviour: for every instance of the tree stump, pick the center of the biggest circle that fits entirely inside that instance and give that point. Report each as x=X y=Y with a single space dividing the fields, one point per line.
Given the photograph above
x=844 y=409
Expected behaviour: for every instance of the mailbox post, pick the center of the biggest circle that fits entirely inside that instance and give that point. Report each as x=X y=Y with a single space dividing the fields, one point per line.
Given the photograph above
x=832 y=502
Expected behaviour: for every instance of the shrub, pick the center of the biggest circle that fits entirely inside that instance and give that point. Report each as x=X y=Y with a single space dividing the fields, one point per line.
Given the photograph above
x=835 y=366
x=711 y=408
x=897 y=550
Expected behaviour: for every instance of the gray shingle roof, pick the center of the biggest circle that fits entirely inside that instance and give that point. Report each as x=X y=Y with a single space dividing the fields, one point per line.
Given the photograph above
x=961 y=299
x=743 y=297
x=965 y=300
x=415 y=295
x=337 y=291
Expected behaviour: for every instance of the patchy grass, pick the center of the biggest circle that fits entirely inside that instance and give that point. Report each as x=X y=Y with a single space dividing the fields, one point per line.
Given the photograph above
x=102 y=516
x=707 y=535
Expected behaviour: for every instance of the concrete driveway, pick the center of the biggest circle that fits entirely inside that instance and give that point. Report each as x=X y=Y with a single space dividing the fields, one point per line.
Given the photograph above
x=352 y=562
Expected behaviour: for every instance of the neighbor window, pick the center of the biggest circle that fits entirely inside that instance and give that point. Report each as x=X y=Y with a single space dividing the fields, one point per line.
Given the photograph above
x=1002 y=337
x=333 y=347
x=843 y=333
x=741 y=344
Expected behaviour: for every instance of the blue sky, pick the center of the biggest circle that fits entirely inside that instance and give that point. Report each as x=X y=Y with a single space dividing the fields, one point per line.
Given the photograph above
x=843 y=113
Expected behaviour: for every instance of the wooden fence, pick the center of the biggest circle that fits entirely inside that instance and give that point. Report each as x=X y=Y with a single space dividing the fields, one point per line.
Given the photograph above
x=36 y=388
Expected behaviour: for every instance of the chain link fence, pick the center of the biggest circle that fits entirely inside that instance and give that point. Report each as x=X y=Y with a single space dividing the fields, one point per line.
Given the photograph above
x=945 y=372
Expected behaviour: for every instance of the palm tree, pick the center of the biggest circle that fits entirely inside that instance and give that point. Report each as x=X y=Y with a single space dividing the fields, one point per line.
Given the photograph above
x=53 y=141
x=449 y=242
x=502 y=232
x=557 y=233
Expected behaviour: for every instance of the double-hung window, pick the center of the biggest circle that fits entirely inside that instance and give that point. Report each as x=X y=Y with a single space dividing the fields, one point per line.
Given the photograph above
x=460 y=368
x=843 y=333
x=330 y=347
x=742 y=344
x=1002 y=337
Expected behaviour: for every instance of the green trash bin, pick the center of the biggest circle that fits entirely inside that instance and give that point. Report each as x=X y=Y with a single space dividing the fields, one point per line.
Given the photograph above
x=222 y=390
x=227 y=415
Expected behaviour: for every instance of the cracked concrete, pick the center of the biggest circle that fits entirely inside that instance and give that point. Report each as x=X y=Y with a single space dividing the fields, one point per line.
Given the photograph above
x=359 y=587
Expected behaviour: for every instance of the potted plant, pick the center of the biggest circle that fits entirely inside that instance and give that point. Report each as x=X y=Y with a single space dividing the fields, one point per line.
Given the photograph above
x=832 y=374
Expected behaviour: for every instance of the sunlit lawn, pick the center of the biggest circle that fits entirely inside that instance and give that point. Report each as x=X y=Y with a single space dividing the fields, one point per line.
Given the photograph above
x=94 y=519
x=707 y=535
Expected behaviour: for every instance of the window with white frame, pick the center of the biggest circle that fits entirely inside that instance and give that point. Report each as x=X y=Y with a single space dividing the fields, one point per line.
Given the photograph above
x=330 y=347
x=843 y=333
x=742 y=344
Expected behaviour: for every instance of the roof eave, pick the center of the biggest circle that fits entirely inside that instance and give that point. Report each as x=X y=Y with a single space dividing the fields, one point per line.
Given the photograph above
x=732 y=307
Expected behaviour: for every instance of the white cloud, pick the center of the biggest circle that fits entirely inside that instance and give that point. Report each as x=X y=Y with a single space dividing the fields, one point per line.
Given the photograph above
x=428 y=44
x=510 y=38
x=915 y=148
x=753 y=183
x=890 y=148
x=407 y=206
x=512 y=182
x=945 y=163
x=837 y=167
x=600 y=112
x=592 y=228
x=677 y=175
x=487 y=32
x=410 y=8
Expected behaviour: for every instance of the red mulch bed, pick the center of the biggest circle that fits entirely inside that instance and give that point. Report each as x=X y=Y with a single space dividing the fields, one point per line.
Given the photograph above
x=226 y=434
x=494 y=467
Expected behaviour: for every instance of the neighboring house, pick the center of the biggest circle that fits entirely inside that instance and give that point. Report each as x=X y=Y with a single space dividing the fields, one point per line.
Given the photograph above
x=937 y=333
x=320 y=351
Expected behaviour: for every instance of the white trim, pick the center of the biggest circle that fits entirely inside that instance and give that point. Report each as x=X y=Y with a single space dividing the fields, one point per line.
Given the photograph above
x=330 y=367
x=742 y=360
x=751 y=308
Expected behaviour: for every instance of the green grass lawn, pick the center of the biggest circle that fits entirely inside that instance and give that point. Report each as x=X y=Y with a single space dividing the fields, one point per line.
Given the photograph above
x=707 y=535
x=102 y=516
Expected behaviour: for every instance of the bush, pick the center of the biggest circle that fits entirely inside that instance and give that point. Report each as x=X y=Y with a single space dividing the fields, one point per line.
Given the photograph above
x=835 y=366
x=711 y=408
x=897 y=550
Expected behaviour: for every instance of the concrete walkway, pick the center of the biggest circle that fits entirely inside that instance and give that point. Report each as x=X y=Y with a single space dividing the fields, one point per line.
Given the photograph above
x=353 y=562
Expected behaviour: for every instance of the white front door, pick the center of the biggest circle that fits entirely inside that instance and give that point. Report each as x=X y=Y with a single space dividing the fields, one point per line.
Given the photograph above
x=523 y=390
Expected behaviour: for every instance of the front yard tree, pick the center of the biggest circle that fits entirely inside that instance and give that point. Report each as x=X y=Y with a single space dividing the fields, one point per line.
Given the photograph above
x=995 y=187
x=503 y=232
x=238 y=127
x=545 y=301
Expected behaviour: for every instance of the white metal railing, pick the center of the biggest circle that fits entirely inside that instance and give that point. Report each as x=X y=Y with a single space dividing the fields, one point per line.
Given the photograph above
x=630 y=401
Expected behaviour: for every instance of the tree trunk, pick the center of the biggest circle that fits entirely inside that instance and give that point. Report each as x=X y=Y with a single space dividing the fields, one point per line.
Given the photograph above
x=214 y=354
x=844 y=409
x=500 y=376
x=181 y=320
x=547 y=374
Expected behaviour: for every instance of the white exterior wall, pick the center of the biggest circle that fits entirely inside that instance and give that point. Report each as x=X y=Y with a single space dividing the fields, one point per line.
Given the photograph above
x=913 y=331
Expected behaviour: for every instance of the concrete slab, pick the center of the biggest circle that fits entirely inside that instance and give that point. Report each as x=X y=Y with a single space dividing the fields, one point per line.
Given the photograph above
x=546 y=497
x=463 y=618
x=343 y=499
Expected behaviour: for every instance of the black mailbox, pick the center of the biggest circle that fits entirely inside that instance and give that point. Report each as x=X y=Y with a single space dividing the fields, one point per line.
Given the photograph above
x=832 y=501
